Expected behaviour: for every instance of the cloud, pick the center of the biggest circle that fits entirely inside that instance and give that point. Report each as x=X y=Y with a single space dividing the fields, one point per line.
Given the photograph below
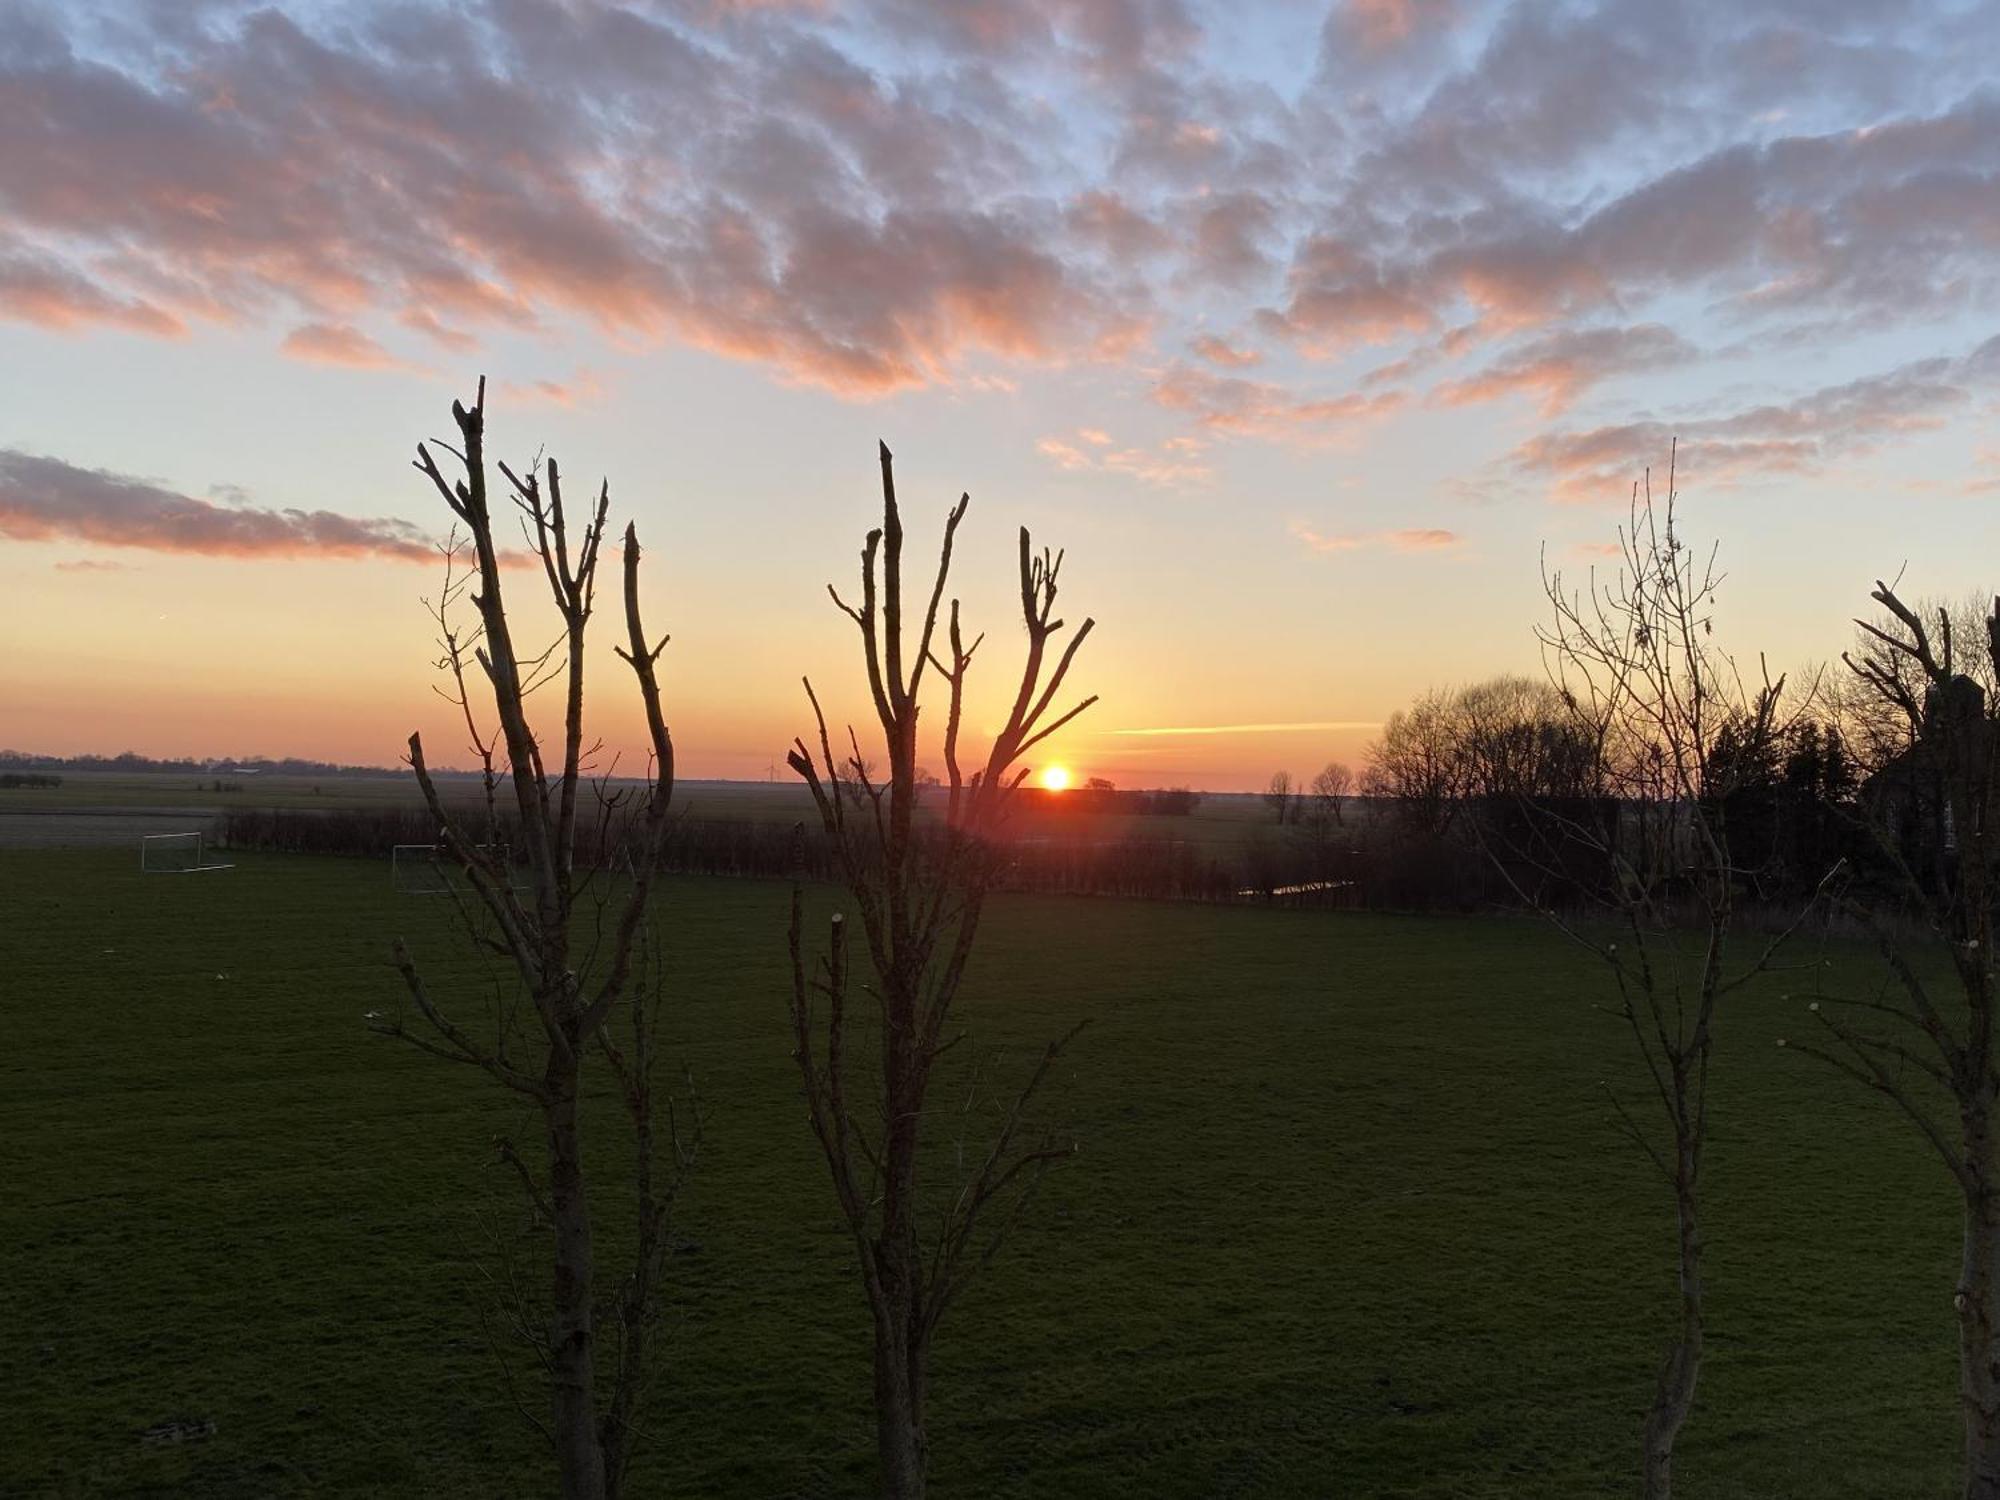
x=1066 y=454
x=1218 y=351
x=1559 y=367
x=49 y=295
x=93 y=565
x=1103 y=220
x=581 y=388
x=338 y=344
x=750 y=188
x=421 y=320
x=1515 y=200
x=1298 y=727
x=1801 y=437
x=1173 y=464
x=1412 y=539
x=1379 y=25
x=1258 y=408
x=46 y=500
x=1876 y=222
x=1227 y=238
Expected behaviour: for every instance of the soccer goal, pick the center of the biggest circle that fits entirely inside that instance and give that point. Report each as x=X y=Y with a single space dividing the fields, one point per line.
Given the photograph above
x=430 y=870
x=175 y=854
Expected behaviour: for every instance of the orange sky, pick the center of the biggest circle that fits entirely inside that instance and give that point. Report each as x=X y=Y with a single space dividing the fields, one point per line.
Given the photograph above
x=1310 y=330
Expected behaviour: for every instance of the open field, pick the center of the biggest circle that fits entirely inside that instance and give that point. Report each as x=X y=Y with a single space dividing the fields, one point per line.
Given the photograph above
x=1220 y=820
x=1350 y=1219
x=85 y=791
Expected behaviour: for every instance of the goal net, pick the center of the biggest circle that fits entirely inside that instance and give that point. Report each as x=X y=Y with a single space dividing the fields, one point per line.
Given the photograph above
x=175 y=854
x=430 y=870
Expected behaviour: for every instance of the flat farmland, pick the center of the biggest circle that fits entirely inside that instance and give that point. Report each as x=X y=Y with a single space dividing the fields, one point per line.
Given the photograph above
x=1350 y=1217
x=108 y=807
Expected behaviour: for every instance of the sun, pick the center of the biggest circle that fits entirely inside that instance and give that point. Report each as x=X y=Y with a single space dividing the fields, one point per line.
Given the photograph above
x=1055 y=778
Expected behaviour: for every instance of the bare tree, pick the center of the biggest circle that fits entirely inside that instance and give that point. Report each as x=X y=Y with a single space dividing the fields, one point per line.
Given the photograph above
x=920 y=892
x=1872 y=721
x=1281 y=797
x=1330 y=788
x=1932 y=809
x=1506 y=739
x=528 y=915
x=1416 y=765
x=1650 y=695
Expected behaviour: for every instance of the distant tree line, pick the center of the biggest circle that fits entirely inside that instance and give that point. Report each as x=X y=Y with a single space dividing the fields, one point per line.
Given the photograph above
x=1467 y=783
x=1136 y=866
x=1097 y=795
x=131 y=762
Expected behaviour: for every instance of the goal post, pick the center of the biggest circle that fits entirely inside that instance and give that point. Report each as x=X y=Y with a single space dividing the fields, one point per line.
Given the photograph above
x=175 y=854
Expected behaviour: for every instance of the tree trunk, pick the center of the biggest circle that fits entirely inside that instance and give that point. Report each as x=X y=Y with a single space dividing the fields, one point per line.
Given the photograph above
x=579 y=1456
x=1979 y=1312
x=900 y=1375
x=902 y=1344
x=1673 y=1399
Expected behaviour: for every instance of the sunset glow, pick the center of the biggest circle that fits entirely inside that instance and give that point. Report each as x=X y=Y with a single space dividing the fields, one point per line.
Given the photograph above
x=1353 y=312
x=1055 y=778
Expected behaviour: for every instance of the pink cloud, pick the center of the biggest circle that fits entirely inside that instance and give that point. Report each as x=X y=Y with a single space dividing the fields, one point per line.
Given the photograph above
x=1560 y=366
x=338 y=344
x=1804 y=436
x=1412 y=539
x=787 y=206
x=49 y=295
x=423 y=321
x=1219 y=351
x=1174 y=463
x=46 y=500
x=1257 y=408
x=1013 y=183
x=1103 y=220
x=1877 y=222
x=1379 y=25
x=580 y=389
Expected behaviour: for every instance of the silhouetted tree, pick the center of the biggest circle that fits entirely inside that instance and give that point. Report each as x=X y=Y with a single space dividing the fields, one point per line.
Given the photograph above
x=1281 y=798
x=1330 y=788
x=574 y=990
x=920 y=893
x=1931 y=1055
x=1417 y=765
x=1655 y=703
x=1873 y=727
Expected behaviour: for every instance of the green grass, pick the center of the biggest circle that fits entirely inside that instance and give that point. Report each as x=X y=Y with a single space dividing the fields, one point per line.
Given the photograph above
x=1350 y=1219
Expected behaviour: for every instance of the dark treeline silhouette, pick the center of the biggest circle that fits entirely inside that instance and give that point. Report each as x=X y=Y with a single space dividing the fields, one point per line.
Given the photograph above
x=1430 y=850
x=131 y=762
x=1476 y=787
x=1135 y=866
x=1100 y=796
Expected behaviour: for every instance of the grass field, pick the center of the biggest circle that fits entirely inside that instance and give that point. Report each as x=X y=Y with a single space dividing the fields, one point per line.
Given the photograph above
x=1350 y=1220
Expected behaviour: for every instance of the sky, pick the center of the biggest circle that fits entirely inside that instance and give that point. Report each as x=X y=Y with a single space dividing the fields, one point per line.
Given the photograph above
x=1311 y=333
